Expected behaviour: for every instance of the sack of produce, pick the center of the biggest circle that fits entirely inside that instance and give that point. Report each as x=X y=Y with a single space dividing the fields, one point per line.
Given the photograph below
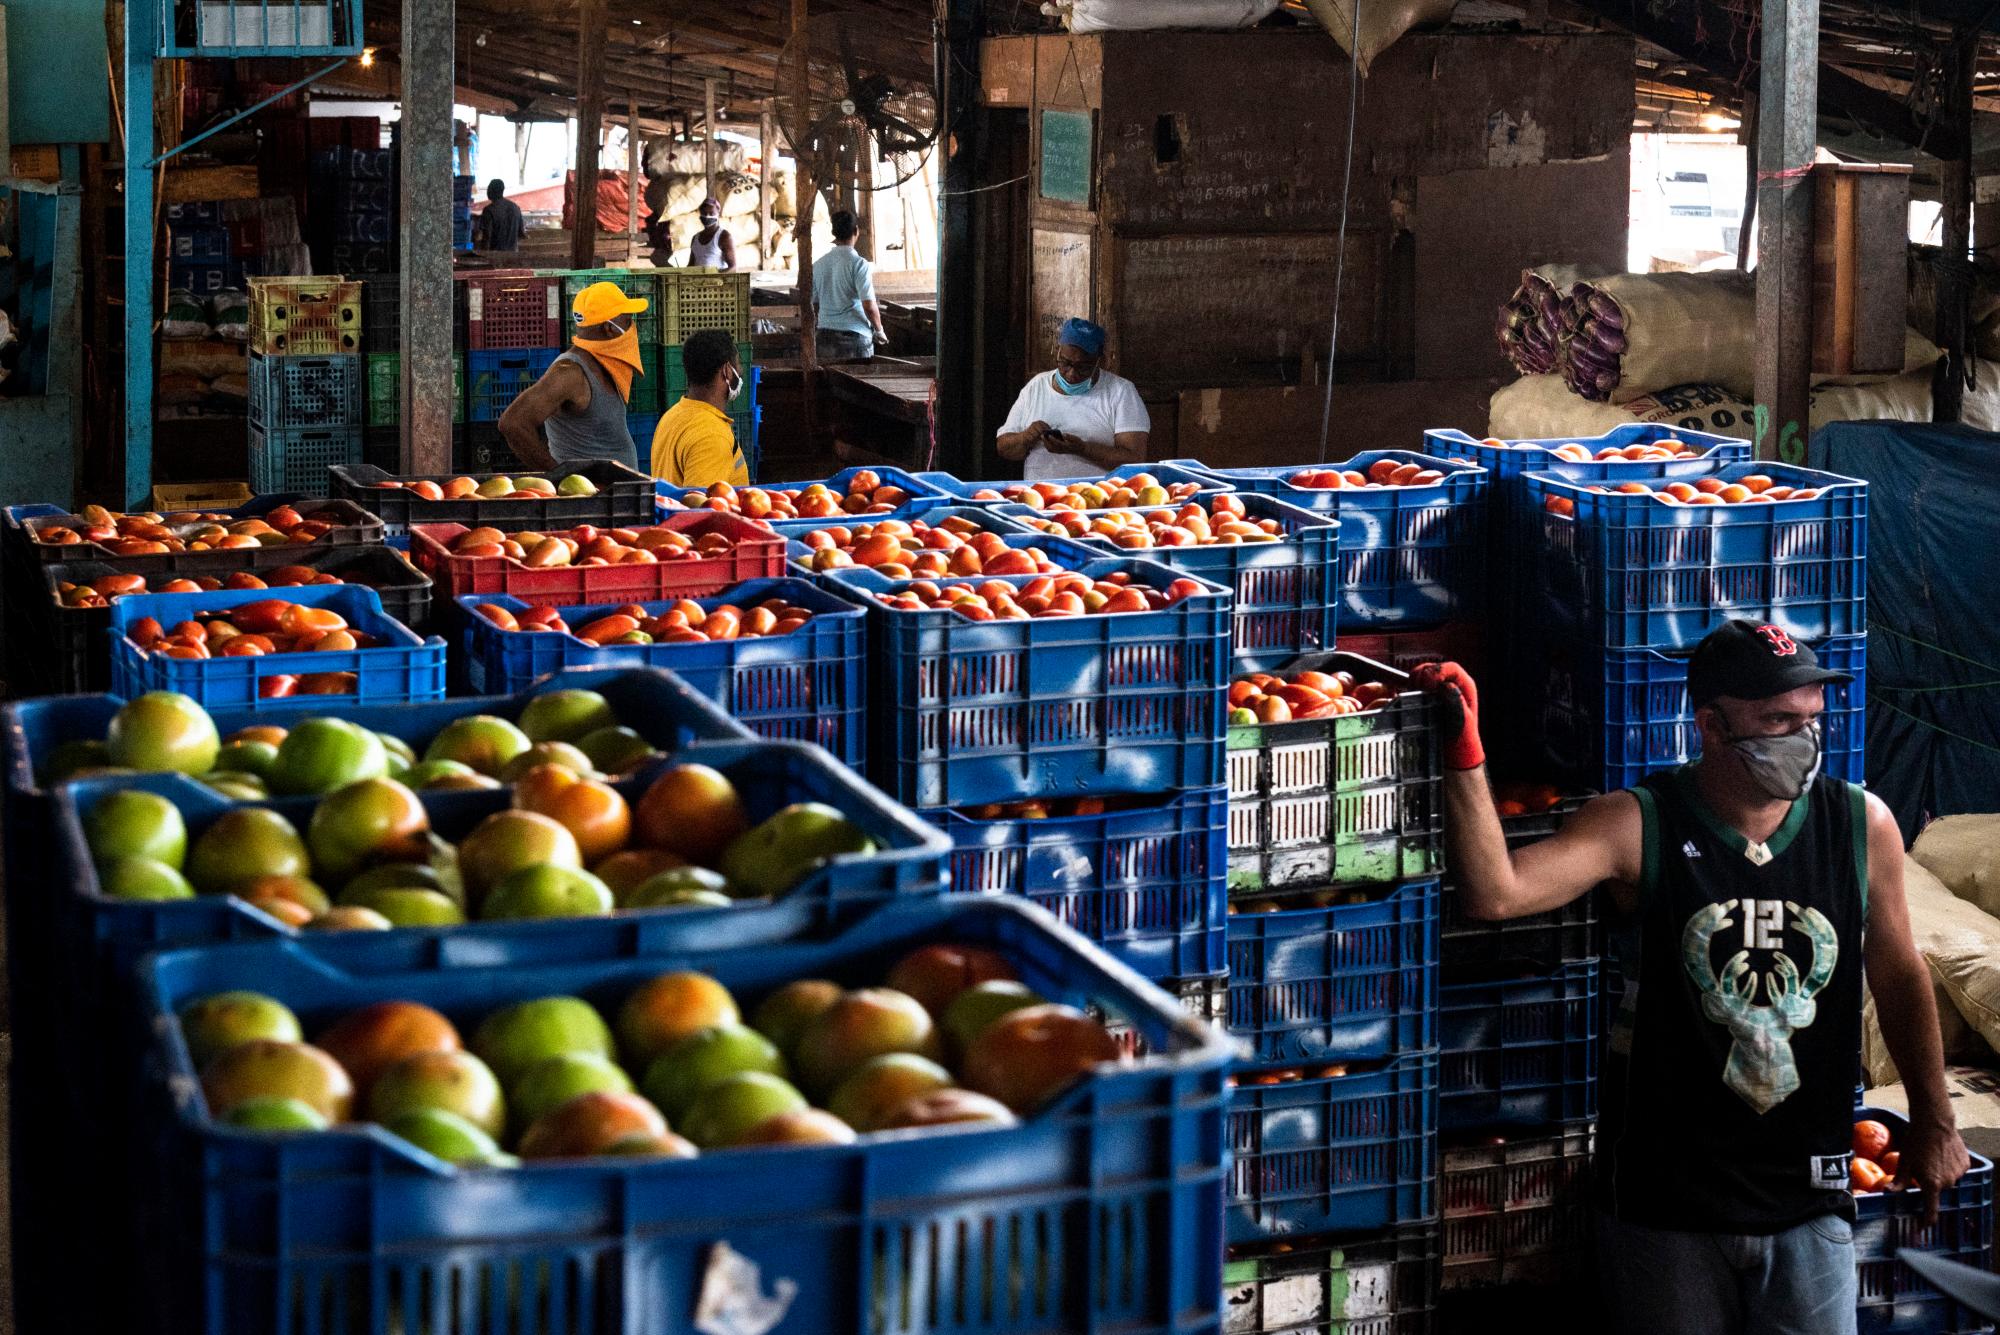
x=184 y=316
x=1964 y=853
x=1541 y=407
x=1626 y=335
x=1961 y=946
x=1530 y=324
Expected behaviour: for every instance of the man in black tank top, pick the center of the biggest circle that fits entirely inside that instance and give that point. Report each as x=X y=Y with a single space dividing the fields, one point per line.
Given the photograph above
x=1759 y=892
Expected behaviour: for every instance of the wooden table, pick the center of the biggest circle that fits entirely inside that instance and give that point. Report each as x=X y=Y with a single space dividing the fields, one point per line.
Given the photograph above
x=881 y=408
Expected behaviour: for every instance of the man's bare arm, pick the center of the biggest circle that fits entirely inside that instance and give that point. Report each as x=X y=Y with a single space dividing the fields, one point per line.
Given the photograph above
x=521 y=424
x=1933 y=1156
x=1602 y=842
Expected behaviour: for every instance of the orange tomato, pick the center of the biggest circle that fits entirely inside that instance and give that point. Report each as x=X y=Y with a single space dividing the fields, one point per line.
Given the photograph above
x=1871 y=1139
x=1865 y=1175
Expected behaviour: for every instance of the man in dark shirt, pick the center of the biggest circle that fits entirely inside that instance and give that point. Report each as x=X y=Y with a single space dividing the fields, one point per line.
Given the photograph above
x=500 y=224
x=1759 y=893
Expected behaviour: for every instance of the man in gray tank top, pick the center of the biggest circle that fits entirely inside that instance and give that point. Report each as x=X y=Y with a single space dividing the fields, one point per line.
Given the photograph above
x=580 y=401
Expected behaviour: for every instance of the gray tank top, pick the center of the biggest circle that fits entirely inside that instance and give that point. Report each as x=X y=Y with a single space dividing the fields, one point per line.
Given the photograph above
x=599 y=431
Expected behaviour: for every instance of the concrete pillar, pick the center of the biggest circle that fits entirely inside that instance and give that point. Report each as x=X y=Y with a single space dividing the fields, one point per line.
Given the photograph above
x=426 y=206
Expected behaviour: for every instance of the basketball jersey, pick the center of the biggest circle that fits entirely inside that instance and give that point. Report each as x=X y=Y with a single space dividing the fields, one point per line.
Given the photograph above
x=1728 y=1095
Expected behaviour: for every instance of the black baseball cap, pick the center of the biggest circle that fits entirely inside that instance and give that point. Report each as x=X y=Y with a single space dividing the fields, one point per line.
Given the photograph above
x=1749 y=661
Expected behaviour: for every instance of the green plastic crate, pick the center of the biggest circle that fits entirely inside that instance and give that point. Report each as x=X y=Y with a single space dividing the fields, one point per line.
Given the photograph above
x=677 y=378
x=695 y=300
x=632 y=282
x=385 y=390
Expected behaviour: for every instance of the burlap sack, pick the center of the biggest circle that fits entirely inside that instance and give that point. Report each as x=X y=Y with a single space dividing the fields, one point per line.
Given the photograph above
x=1961 y=946
x=1669 y=329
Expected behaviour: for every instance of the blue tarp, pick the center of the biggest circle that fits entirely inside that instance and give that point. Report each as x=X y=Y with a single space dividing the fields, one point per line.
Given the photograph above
x=1933 y=611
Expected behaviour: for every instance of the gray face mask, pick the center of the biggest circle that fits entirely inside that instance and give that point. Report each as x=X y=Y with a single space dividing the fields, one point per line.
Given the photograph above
x=1784 y=767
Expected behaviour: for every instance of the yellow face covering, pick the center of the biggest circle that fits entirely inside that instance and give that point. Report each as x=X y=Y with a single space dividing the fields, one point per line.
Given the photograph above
x=618 y=356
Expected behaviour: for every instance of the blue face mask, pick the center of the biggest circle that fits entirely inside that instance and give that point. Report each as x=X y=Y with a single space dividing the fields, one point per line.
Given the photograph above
x=1063 y=385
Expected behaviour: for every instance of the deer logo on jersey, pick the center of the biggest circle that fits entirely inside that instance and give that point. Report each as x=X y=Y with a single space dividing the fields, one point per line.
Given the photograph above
x=1760 y=1068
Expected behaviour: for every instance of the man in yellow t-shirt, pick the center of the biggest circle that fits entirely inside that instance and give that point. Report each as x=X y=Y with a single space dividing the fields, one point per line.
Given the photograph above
x=695 y=444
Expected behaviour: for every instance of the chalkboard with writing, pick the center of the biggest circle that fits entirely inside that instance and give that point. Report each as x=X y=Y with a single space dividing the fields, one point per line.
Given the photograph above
x=1066 y=157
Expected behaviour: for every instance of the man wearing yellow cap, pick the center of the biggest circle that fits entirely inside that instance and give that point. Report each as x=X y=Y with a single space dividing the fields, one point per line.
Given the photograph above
x=580 y=400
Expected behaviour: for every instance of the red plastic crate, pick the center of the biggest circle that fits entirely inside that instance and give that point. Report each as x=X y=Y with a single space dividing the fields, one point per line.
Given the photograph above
x=758 y=553
x=511 y=308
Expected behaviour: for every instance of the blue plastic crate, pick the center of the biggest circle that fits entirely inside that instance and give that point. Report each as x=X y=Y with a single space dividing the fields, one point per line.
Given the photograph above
x=287 y=393
x=1410 y=557
x=659 y=706
x=107 y=936
x=923 y=494
x=1631 y=571
x=970 y=712
x=642 y=426
x=406 y=668
x=297 y=459
x=1610 y=717
x=1522 y=1052
x=808 y=686
x=1333 y=1153
x=1892 y=1298
x=1538 y=942
x=205 y=278
x=1170 y=473
x=494 y=379
x=1287 y=598
x=1143 y=881
x=1347 y=982
x=1106 y=1203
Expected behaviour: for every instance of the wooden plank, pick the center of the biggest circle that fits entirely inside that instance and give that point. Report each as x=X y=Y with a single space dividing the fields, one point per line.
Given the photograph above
x=1476 y=231
x=590 y=124
x=1787 y=122
x=1275 y=425
x=1007 y=71
x=1186 y=137
x=1233 y=308
x=1060 y=287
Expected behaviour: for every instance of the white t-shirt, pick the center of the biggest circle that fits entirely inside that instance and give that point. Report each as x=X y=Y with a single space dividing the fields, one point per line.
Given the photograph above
x=1112 y=407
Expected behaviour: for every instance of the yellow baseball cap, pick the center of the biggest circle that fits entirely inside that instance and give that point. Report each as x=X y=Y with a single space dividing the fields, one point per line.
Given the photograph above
x=605 y=301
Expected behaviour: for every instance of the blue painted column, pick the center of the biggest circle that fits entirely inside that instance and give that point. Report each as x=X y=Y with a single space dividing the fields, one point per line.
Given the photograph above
x=142 y=40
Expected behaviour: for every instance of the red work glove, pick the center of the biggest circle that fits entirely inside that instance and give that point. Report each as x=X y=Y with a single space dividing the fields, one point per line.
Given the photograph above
x=1458 y=713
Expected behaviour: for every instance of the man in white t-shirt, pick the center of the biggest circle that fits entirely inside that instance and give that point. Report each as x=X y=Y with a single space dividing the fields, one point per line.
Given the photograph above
x=1079 y=419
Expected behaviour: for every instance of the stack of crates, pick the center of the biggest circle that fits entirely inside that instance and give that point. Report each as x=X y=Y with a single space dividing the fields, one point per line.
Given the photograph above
x=1335 y=849
x=686 y=302
x=1520 y=1022
x=1075 y=763
x=199 y=256
x=352 y=213
x=306 y=381
x=1623 y=586
x=511 y=323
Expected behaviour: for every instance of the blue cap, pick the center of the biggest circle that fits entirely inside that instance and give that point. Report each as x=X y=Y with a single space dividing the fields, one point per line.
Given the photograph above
x=1081 y=335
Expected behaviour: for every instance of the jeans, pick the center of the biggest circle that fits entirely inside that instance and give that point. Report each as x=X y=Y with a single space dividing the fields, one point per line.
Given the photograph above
x=843 y=345
x=1665 y=1282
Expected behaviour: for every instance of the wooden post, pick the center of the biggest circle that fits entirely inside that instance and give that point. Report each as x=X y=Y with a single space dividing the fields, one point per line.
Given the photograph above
x=767 y=137
x=591 y=22
x=632 y=175
x=714 y=145
x=426 y=199
x=1787 y=117
x=1954 y=291
x=807 y=194
x=864 y=203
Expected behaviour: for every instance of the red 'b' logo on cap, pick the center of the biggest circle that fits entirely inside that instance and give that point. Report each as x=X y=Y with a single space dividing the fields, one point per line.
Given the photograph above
x=1781 y=644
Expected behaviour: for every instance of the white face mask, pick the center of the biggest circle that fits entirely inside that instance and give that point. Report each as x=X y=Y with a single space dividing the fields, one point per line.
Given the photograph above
x=735 y=384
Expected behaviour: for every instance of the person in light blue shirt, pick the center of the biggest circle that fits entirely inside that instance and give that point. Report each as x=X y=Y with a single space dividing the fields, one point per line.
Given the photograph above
x=848 y=318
